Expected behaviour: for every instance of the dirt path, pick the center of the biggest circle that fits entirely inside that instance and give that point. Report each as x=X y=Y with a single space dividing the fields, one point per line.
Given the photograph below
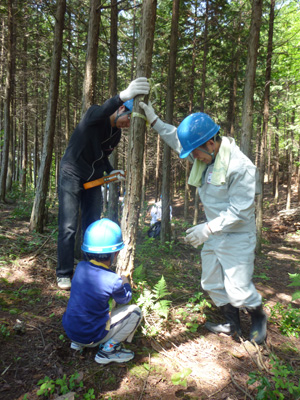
x=217 y=367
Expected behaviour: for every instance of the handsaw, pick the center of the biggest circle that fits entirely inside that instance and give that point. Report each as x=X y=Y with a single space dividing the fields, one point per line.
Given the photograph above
x=101 y=181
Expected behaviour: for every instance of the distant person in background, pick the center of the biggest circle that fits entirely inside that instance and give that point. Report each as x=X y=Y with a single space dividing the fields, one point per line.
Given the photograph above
x=226 y=181
x=156 y=212
x=155 y=223
x=86 y=159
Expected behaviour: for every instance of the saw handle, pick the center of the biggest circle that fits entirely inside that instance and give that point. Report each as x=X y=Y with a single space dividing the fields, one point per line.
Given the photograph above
x=102 y=181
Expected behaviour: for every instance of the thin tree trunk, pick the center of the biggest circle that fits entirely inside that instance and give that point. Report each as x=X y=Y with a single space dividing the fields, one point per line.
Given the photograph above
x=191 y=104
x=113 y=188
x=90 y=78
x=68 y=82
x=166 y=178
x=186 y=191
x=25 y=117
x=7 y=101
x=132 y=204
x=203 y=86
x=276 y=165
x=157 y=169
x=290 y=165
x=247 y=112
x=259 y=203
x=38 y=209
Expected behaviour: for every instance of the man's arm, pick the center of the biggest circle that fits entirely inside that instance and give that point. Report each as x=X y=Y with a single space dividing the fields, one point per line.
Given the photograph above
x=166 y=131
x=96 y=113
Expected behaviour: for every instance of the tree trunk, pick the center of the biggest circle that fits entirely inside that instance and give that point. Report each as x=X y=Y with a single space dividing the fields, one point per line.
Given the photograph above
x=276 y=166
x=113 y=188
x=89 y=85
x=186 y=191
x=157 y=169
x=90 y=78
x=68 y=82
x=259 y=203
x=25 y=117
x=203 y=86
x=7 y=101
x=290 y=165
x=38 y=210
x=136 y=144
x=166 y=180
x=231 y=113
x=247 y=112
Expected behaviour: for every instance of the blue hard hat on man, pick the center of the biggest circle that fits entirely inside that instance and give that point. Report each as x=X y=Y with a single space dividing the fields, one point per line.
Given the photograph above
x=128 y=109
x=194 y=131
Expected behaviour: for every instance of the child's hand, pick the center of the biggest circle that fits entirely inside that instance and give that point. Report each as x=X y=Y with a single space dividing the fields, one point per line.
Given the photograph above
x=124 y=279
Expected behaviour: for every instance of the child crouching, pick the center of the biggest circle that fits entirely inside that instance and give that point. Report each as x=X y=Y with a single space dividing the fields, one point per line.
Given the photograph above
x=87 y=320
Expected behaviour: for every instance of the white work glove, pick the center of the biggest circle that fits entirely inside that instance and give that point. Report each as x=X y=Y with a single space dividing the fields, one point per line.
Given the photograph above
x=138 y=86
x=149 y=111
x=198 y=234
x=120 y=174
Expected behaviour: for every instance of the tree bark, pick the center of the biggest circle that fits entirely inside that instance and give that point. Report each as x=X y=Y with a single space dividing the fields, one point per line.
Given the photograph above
x=136 y=144
x=247 y=112
x=25 y=117
x=7 y=101
x=113 y=188
x=165 y=233
x=276 y=165
x=290 y=165
x=38 y=209
x=90 y=78
x=262 y=160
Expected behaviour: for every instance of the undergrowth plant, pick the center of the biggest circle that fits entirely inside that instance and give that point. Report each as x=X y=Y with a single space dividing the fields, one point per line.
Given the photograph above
x=287 y=318
x=277 y=386
x=152 y=301
x=295 y=278
x=63 y=386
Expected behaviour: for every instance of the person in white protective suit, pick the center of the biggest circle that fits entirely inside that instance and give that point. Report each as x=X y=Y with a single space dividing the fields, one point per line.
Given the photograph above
x=156 y=212
x=226 y=180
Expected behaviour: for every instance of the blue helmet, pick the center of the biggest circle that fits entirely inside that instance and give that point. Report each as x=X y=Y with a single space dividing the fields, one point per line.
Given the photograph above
x=102 y=237
x=129 y=104
x=195 y=130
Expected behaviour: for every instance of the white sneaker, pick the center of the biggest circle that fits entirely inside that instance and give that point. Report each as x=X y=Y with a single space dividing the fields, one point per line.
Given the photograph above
x=76 y=346
x=64 y=283
x=118 y=354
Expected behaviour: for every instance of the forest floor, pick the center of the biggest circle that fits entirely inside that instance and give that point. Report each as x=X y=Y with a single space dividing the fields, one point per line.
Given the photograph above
x=34 y=349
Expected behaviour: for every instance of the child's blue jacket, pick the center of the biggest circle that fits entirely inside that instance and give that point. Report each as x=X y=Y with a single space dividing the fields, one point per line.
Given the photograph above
x=88 y=310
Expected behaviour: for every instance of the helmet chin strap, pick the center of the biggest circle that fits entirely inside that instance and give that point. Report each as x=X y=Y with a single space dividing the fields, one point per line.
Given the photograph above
x=120 y=115
x=210 y=154
x=112 y=257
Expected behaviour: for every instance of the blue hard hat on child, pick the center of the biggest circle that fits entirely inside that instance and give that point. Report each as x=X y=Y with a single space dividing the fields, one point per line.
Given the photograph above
x=194 y=131
x=102 y=237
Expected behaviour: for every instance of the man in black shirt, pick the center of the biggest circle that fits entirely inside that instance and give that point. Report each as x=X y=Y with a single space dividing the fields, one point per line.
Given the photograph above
x=86 y=159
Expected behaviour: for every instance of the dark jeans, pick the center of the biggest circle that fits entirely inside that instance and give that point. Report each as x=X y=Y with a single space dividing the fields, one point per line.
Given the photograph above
x=72 y=196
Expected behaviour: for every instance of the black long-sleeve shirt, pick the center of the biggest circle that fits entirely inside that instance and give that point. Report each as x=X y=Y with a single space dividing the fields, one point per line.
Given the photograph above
x=92 y=142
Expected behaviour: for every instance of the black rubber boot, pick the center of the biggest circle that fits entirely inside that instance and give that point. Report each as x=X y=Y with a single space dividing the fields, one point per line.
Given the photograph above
x=258 y=331
x=231 y=326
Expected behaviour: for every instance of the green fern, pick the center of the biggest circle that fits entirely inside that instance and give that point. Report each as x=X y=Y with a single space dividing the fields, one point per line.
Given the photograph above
x=162 y=308
x=152 y=304
x=160 y=289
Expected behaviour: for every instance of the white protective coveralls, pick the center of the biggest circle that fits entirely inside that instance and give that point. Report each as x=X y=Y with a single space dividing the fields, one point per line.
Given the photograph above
x=228 y=255
x=156 y=211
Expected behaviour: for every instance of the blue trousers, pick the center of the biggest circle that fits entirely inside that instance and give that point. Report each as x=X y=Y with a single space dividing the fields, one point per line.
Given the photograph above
x=72 y=196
